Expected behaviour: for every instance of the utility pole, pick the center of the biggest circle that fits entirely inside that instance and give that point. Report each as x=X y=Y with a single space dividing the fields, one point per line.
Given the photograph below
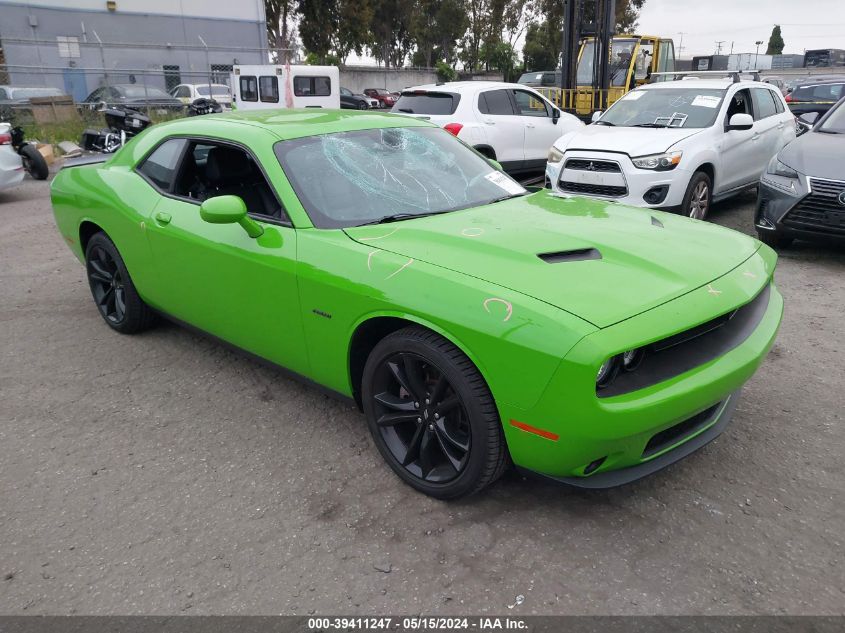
x=681 y=42
x=719 y=46
x=757 y=54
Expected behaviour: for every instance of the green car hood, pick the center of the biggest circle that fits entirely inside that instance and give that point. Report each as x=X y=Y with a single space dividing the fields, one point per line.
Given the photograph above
x=601 y=261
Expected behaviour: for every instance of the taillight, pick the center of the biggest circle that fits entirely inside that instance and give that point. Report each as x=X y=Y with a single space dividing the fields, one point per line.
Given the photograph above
x=453 y=128
x=5 y=139
x=788 y=98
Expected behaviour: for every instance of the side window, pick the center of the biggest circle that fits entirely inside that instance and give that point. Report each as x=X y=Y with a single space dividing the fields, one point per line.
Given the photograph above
x=160 y=166
x=249 y=88
x=764 y=103
x=528 y=104
x=312 y=86
x=740 y=103
x=642 y=65
x=778 y=97
x=268 y=88
x=495 y=102
x=183 y=91
x=216 y=169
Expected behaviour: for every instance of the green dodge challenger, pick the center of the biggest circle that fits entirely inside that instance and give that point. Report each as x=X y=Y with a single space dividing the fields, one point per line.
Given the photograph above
x=474 y=322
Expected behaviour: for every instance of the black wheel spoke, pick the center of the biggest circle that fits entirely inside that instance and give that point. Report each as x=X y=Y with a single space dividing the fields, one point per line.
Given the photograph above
x=427 y=444
x=394 y=402
x=439 y=390
x=449 y=404
x=389 y=419
x=119 y=303
x=399 y=375
x=454 y=461
x=107 y=297
x=413 y=449
x=99 y=273
x=448 y=436
x=413 y=373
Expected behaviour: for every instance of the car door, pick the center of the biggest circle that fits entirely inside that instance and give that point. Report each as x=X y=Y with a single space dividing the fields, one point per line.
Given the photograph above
x=540 y=129
x=505 y=130
x=769 y=127
x=214 y=276
x=739 y=151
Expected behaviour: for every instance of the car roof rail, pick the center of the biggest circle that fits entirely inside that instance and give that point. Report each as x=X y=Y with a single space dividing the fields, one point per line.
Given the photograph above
x=707 y=74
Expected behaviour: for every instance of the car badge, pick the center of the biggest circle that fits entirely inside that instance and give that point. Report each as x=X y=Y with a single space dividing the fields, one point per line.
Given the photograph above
x=591 y=166
x=842 y=198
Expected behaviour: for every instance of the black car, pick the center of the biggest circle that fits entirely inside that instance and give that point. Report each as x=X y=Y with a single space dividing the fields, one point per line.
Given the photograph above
x=134 y=96
x=802 y=191
x=815 y=95
x=351 y=101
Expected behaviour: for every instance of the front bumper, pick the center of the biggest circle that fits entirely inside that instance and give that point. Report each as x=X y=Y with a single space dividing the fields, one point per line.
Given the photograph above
x=636 y=433
x=11 y=167
x=803 y=208
x=636 y=182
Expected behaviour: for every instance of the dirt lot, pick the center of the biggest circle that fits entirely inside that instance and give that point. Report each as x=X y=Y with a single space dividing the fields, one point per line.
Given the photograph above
x=164 y=474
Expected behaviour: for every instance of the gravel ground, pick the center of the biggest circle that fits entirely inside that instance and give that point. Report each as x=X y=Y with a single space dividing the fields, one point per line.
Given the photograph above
x=165 y=474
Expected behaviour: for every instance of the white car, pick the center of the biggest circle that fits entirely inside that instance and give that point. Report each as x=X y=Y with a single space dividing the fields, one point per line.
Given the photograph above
x=11 y=164
x=675 y=145
x=188 y=93
x=509 y=123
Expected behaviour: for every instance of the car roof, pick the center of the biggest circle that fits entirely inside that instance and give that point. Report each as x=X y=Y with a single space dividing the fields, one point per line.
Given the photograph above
x=457 y=86
x=296 y=122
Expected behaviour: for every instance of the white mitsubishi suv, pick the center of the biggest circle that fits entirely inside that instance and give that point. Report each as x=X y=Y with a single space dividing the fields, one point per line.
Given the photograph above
x=509 y=123
x=675 y=145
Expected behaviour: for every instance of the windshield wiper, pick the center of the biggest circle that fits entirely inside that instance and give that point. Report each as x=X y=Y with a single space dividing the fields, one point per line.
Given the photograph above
x=650 y=125
x=600 y=122
x=508 y=197
x=398 y=217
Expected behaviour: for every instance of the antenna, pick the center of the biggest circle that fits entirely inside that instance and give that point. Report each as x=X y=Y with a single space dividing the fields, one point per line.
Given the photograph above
x=719 y=46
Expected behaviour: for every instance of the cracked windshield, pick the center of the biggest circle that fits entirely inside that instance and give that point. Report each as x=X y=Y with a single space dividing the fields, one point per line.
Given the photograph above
x=383 y=175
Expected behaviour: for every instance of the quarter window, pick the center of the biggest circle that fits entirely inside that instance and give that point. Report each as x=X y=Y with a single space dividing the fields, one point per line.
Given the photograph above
x=249 y=89
x=268 y=87
x=160 y=166
x=495 y=102
x=312 y=86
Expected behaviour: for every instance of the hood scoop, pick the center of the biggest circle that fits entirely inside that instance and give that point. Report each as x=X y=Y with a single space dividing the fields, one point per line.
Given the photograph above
x=577 y=255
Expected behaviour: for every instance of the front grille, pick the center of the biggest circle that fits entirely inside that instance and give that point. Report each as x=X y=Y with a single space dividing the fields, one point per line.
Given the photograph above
x=675 y=355
x=674 y=434
x=820 y=210
x=594 y=190
x=586 y=164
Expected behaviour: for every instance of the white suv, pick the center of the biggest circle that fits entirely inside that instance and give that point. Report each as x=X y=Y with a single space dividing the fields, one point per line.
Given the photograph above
x=510 y=123
x=675 y=145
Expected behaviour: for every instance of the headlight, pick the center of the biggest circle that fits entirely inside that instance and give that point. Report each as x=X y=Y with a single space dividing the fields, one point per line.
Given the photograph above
x=626 y=361
x=555 y=155
x=777 y=168
x=658 y=162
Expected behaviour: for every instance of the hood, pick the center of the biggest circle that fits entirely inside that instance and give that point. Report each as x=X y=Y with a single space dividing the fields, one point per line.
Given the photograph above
x=633 y=141
x=602 y=262
x=816 y=154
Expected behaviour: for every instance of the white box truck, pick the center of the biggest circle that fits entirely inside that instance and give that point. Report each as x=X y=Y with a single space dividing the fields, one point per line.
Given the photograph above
x=256 y=87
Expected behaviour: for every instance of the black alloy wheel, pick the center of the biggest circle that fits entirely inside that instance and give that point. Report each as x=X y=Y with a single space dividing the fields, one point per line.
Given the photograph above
x=112 y=288
x=431 y=414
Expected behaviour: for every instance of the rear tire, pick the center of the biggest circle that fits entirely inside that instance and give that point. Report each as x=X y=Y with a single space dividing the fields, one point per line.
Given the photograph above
x=775 y=239
x=432 y=415
x=698 y=197
x=34 y=163
x=112 y=288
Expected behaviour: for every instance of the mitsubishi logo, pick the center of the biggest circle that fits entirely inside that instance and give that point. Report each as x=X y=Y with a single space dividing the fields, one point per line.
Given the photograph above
x=592 y=167
x=842 y=198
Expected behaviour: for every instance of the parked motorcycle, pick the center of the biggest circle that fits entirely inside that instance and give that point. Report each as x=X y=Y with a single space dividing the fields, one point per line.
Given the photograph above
x=204 y=106
x=123 y=123
x=33 y=161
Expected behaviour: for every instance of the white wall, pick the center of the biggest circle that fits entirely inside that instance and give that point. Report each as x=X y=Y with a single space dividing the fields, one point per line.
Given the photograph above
x=252 y=10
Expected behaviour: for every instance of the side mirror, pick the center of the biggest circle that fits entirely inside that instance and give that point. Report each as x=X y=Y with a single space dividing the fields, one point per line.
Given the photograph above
x=596 y=116
x=496 y=164
x=229 y=210
x=555 y=115
x=809 y=118
x=741 y=121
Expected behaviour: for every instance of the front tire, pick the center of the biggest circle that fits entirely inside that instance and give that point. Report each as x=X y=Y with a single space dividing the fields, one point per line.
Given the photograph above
x=431 y=415
x=34 y=163
x=698 y=196
x=112 y=288
x=774 y=239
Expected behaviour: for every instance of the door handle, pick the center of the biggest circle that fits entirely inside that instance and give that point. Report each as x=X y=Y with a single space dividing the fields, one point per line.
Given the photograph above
x=755 y=137
x=489 y=121
x=780 y=125
x=531 y=125
x=163 y=218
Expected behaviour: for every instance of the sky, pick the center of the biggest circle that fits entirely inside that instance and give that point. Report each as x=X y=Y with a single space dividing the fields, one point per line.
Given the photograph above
x=804 y=24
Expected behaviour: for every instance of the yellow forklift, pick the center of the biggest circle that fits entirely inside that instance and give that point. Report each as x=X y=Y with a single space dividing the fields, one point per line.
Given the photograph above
x=599 y=67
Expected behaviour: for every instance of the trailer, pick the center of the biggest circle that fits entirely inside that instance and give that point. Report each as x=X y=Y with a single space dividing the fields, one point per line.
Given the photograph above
x=268 y=86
